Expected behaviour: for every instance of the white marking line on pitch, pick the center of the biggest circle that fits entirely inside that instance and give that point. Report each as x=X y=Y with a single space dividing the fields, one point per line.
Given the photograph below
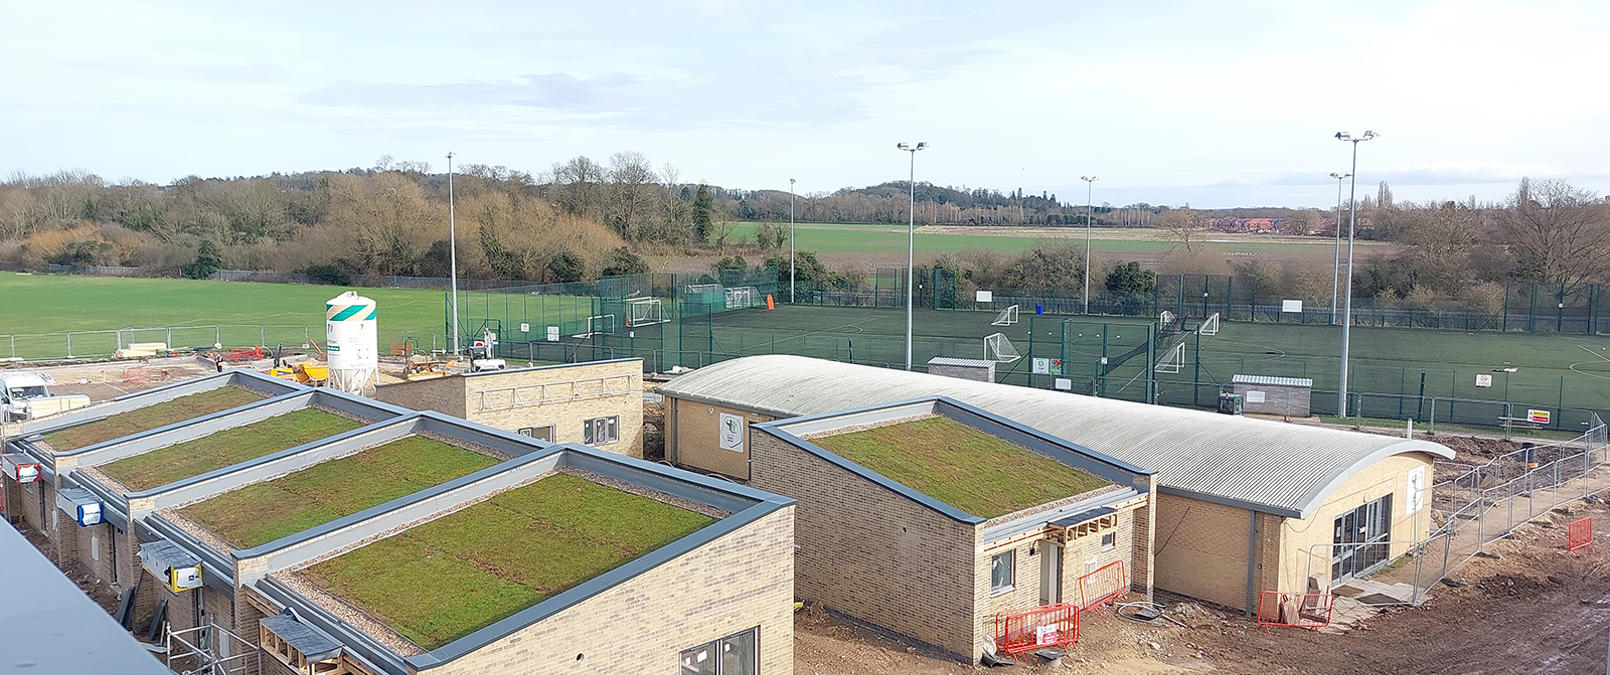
x=856 y=325
x=1590 y=351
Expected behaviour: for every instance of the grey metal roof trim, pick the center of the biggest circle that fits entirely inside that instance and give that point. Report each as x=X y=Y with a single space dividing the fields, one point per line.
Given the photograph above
x=176 y=425
x=1272 y=380
x=272 y=387
x=1268 y=466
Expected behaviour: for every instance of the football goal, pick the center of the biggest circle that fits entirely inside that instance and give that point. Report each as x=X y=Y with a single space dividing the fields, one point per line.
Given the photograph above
x=603 y=323
x=1173 y=360
x=644 y=312
x=742 y=297
x=1007 y=317
x=1210 y=326
x=999 y=349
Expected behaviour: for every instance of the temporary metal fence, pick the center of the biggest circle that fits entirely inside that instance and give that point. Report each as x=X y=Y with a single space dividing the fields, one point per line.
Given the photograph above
x=103 y=343
x=1471 y=506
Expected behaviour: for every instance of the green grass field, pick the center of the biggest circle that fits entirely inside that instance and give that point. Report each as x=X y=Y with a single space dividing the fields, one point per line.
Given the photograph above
x=151 y=417
x=865 y=237
x=447 y=578
x=961 y=466
x=227 y=447
x=264 y=512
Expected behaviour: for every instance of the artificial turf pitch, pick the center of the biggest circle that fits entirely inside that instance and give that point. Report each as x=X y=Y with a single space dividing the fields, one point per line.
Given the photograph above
x=442 y=580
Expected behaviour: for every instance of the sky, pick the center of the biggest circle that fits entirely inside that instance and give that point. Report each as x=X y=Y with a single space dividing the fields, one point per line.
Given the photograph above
x=1215 y=104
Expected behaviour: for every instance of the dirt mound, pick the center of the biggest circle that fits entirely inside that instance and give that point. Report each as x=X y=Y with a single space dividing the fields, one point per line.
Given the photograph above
x=1477 y=450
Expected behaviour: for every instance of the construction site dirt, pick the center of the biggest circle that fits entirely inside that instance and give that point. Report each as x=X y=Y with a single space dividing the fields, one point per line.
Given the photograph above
x=1534 y=608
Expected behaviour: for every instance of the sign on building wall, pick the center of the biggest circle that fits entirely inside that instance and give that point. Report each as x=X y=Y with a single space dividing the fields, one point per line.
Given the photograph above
x=732 y=432
x=1255 y=396
x=1416 y=490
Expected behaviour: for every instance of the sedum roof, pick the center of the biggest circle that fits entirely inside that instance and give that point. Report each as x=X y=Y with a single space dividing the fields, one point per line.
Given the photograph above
x=1274 y=467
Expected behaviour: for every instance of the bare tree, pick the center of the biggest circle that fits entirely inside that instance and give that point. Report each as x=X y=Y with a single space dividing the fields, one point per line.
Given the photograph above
x=632 y=183
x=1558 y=233
x=1181 y=224
x=1437 y=242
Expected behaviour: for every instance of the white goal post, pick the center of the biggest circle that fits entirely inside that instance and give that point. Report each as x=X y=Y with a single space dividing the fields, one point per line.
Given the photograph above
x=644 y=312
x=1210 y=326
x=1166 y=318
x=742 y=297
x=1173 y=360
x=999 y=349
x=1007 y=317
x=603 y=323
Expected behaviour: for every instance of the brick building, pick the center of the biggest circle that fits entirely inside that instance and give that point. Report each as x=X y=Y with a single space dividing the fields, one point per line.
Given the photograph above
x=1243 y=505
x=597 y=403
x=895 y=527
x=304 y=521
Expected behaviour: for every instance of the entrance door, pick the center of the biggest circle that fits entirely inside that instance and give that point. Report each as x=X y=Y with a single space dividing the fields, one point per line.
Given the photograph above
x=1050 y=573
x=1361 y=539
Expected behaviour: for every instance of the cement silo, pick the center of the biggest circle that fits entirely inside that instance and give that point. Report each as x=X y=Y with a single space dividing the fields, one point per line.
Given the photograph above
x=353 y=341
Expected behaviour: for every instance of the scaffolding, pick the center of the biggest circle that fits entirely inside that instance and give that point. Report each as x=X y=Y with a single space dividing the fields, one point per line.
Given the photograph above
x=208 y=650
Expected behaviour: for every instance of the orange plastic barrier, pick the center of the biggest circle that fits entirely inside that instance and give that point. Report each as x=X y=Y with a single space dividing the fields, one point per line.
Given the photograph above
x=1047 y=626
x=1105 y=583
x=1579 y=534
x=1295 y=610
x=769 y=303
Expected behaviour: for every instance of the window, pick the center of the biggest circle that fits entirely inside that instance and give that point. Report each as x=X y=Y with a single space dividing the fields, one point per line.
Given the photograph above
x=544 y=433
x=1109 y=541
x=1002 y=572
x=731 y=655
x=601 y=431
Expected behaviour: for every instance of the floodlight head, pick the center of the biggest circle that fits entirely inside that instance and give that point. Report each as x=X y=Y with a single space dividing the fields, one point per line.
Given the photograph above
x=1088 y=179
x=902 y=146
x=1368 y=134
x=1343 y=136
x=451 y=154
x=922 y=145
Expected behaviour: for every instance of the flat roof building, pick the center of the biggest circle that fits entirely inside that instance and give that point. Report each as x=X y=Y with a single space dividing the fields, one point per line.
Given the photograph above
x=1243 y=505
x=931 y=517
x=337 y=534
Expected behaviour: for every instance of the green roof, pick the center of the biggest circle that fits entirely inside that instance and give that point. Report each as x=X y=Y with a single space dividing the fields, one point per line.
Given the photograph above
x=263 y=512
x=442 y=580
x=224 y=448
x=962 y=466
x=152 y=416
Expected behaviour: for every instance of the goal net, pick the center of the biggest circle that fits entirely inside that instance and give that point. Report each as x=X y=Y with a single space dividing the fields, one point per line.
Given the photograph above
x=1210 y=326
x=644 y=312
x=742 y=297
x=1007 y=317
x=1173 y=360
x=603 y=323
x=998 y=348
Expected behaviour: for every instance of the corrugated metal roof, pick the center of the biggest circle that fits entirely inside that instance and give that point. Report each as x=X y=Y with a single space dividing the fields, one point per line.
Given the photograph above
x=1275 y=467
x=1272 y=380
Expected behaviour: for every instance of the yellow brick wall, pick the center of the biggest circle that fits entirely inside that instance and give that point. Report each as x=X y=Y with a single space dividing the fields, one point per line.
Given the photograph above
x=739 y=581
x=872 y=554
x=1305 y=543
x=566 y=416
x=1079 y=557
x=461 y=397
x=693 y=437
x=1201 y=549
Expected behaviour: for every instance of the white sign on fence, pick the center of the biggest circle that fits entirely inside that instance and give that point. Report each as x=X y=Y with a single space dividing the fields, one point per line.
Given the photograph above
x=1063 y=383
x=984 y=296
x=553 y=333
x=1042 y=366
x=525 y=327
x=1291 y=306
x=1484 y=380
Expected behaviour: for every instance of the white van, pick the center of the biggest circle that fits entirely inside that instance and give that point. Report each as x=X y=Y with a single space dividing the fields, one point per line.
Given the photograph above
x=26 y=395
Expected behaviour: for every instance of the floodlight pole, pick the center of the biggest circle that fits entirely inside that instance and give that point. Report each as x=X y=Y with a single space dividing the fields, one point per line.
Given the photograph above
x=1347 y=306
x=452 y=249
x=791 y=200
x=911 y=241
x=1336 y=263
x=1090 y=211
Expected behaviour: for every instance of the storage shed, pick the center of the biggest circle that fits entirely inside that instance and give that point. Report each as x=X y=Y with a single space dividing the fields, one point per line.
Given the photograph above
x=1270 y=395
